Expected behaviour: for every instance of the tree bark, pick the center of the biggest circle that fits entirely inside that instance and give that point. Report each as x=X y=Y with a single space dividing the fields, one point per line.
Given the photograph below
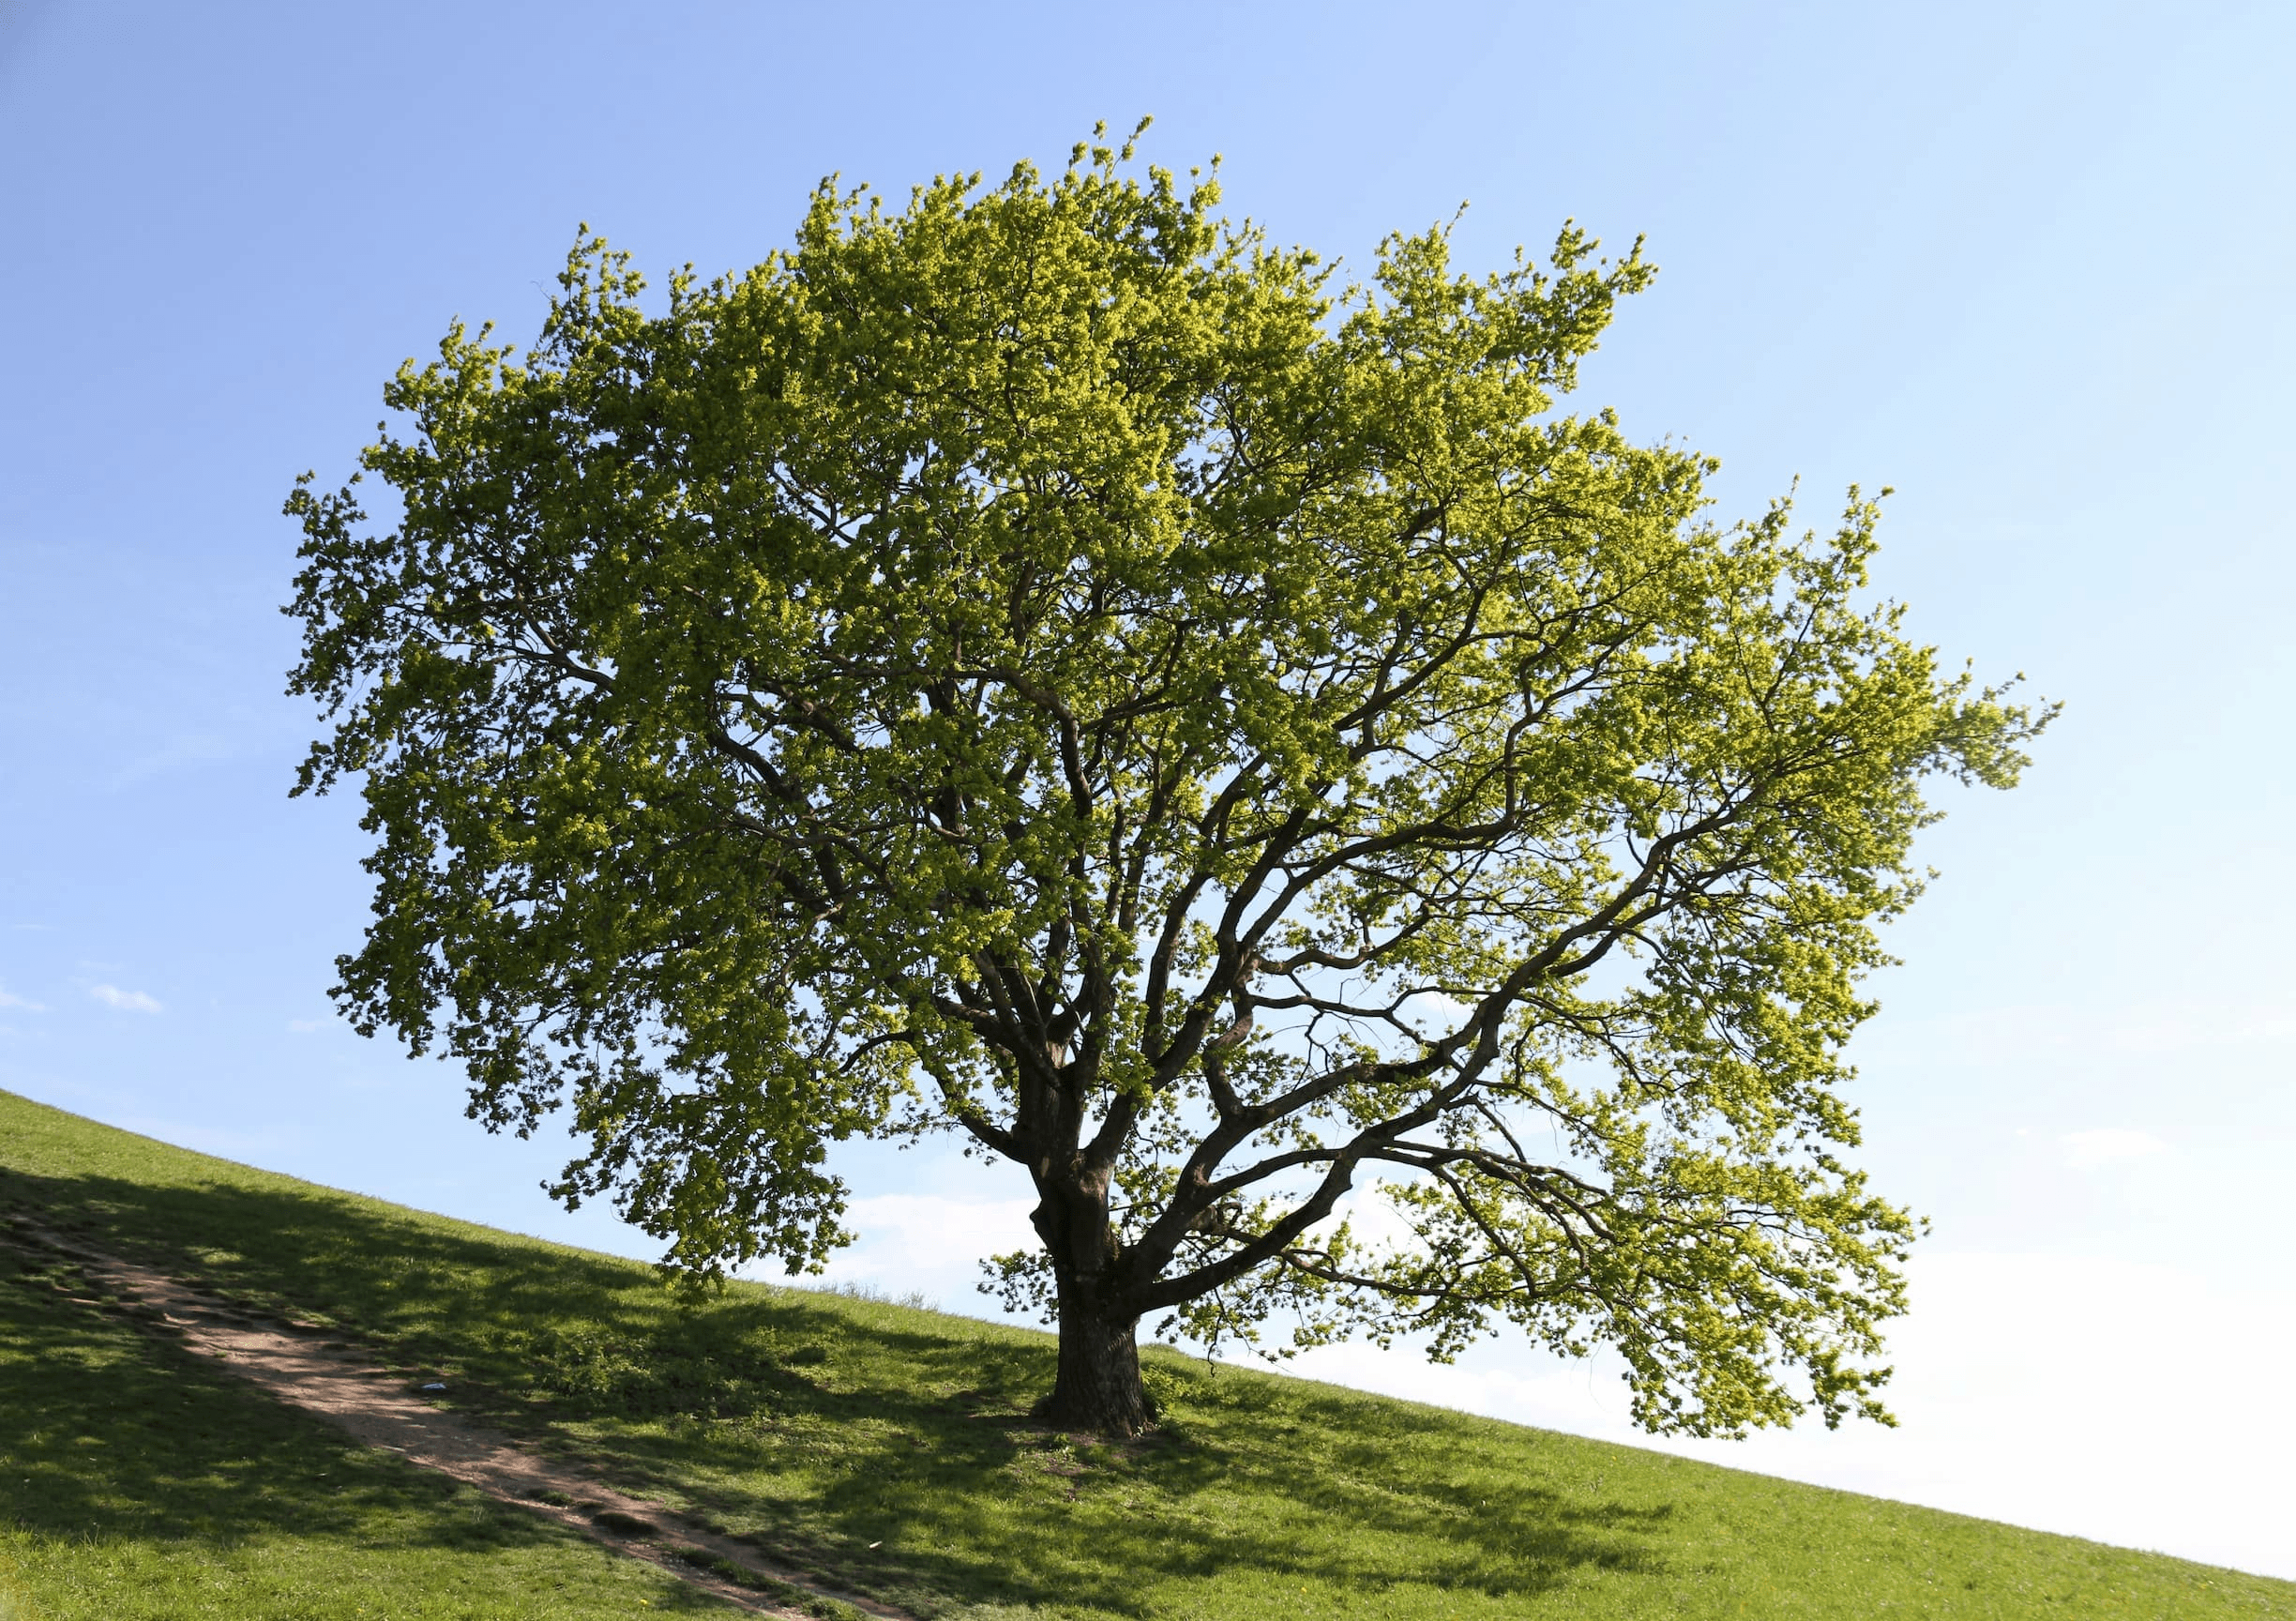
x=1098 y=1387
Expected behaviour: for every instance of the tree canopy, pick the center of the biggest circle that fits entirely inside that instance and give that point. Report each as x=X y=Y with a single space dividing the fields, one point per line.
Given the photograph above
x=1049 y=664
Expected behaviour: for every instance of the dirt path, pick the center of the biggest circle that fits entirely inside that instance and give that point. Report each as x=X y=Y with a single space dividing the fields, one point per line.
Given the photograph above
x=306 y=1365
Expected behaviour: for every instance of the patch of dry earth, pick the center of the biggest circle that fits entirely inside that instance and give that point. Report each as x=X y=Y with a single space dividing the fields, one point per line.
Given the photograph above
x=307 y=1365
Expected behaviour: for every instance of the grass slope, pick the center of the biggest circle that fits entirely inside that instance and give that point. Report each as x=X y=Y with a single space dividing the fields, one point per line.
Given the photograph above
x=139 y=1484
x=887 y=1447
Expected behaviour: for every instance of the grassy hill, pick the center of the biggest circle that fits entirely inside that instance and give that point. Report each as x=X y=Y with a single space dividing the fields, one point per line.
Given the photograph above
x=884 y=1448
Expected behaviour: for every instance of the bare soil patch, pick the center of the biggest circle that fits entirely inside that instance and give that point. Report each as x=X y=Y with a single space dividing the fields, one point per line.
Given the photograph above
x=311 y=1367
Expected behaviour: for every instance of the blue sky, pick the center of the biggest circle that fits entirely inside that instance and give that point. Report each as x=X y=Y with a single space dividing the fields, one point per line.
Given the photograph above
x=2028 y=264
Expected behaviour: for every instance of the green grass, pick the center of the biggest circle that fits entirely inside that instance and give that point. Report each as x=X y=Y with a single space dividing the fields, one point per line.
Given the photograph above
x=822 y=1425
x=135 y=1483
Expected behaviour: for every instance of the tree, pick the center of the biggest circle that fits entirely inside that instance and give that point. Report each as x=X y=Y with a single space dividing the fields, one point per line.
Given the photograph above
x=1049 y=664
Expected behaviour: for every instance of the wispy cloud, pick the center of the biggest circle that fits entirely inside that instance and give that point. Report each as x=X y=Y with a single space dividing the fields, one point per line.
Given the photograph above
x=10 y=999
x=2109 y=1146
x=127 y=1001
x=305 y=1026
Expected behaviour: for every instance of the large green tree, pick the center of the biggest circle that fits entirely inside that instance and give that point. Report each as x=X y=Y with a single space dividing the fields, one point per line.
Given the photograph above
x=1048 y=664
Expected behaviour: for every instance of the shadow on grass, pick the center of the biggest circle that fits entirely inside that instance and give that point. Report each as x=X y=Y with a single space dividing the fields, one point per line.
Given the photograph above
x=109 y=1436
x=819 y=1425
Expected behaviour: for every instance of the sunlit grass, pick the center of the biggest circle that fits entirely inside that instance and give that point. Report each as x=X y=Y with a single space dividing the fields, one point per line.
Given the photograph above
x=877 y=1445
x=136 y=1483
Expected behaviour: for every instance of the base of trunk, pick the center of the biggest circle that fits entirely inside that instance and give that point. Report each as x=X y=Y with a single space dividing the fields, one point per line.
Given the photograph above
x=1098 y=1387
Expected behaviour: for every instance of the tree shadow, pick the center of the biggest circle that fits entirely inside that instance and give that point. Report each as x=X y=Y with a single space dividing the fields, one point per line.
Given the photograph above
x=819 y=1425
x=110 y=1435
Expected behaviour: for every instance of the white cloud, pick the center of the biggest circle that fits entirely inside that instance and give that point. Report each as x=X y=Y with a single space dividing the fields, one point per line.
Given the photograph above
x=10 y=999
x=127 y=1001
x=929 y=1243
x=305 y=1026
x=2109 y=1146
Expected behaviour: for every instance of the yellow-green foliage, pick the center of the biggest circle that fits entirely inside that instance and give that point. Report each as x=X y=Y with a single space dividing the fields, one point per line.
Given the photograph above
x=1049 y=664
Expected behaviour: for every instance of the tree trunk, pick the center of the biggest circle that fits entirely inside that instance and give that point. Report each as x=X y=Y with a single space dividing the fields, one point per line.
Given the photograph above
x=1098 y=1387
